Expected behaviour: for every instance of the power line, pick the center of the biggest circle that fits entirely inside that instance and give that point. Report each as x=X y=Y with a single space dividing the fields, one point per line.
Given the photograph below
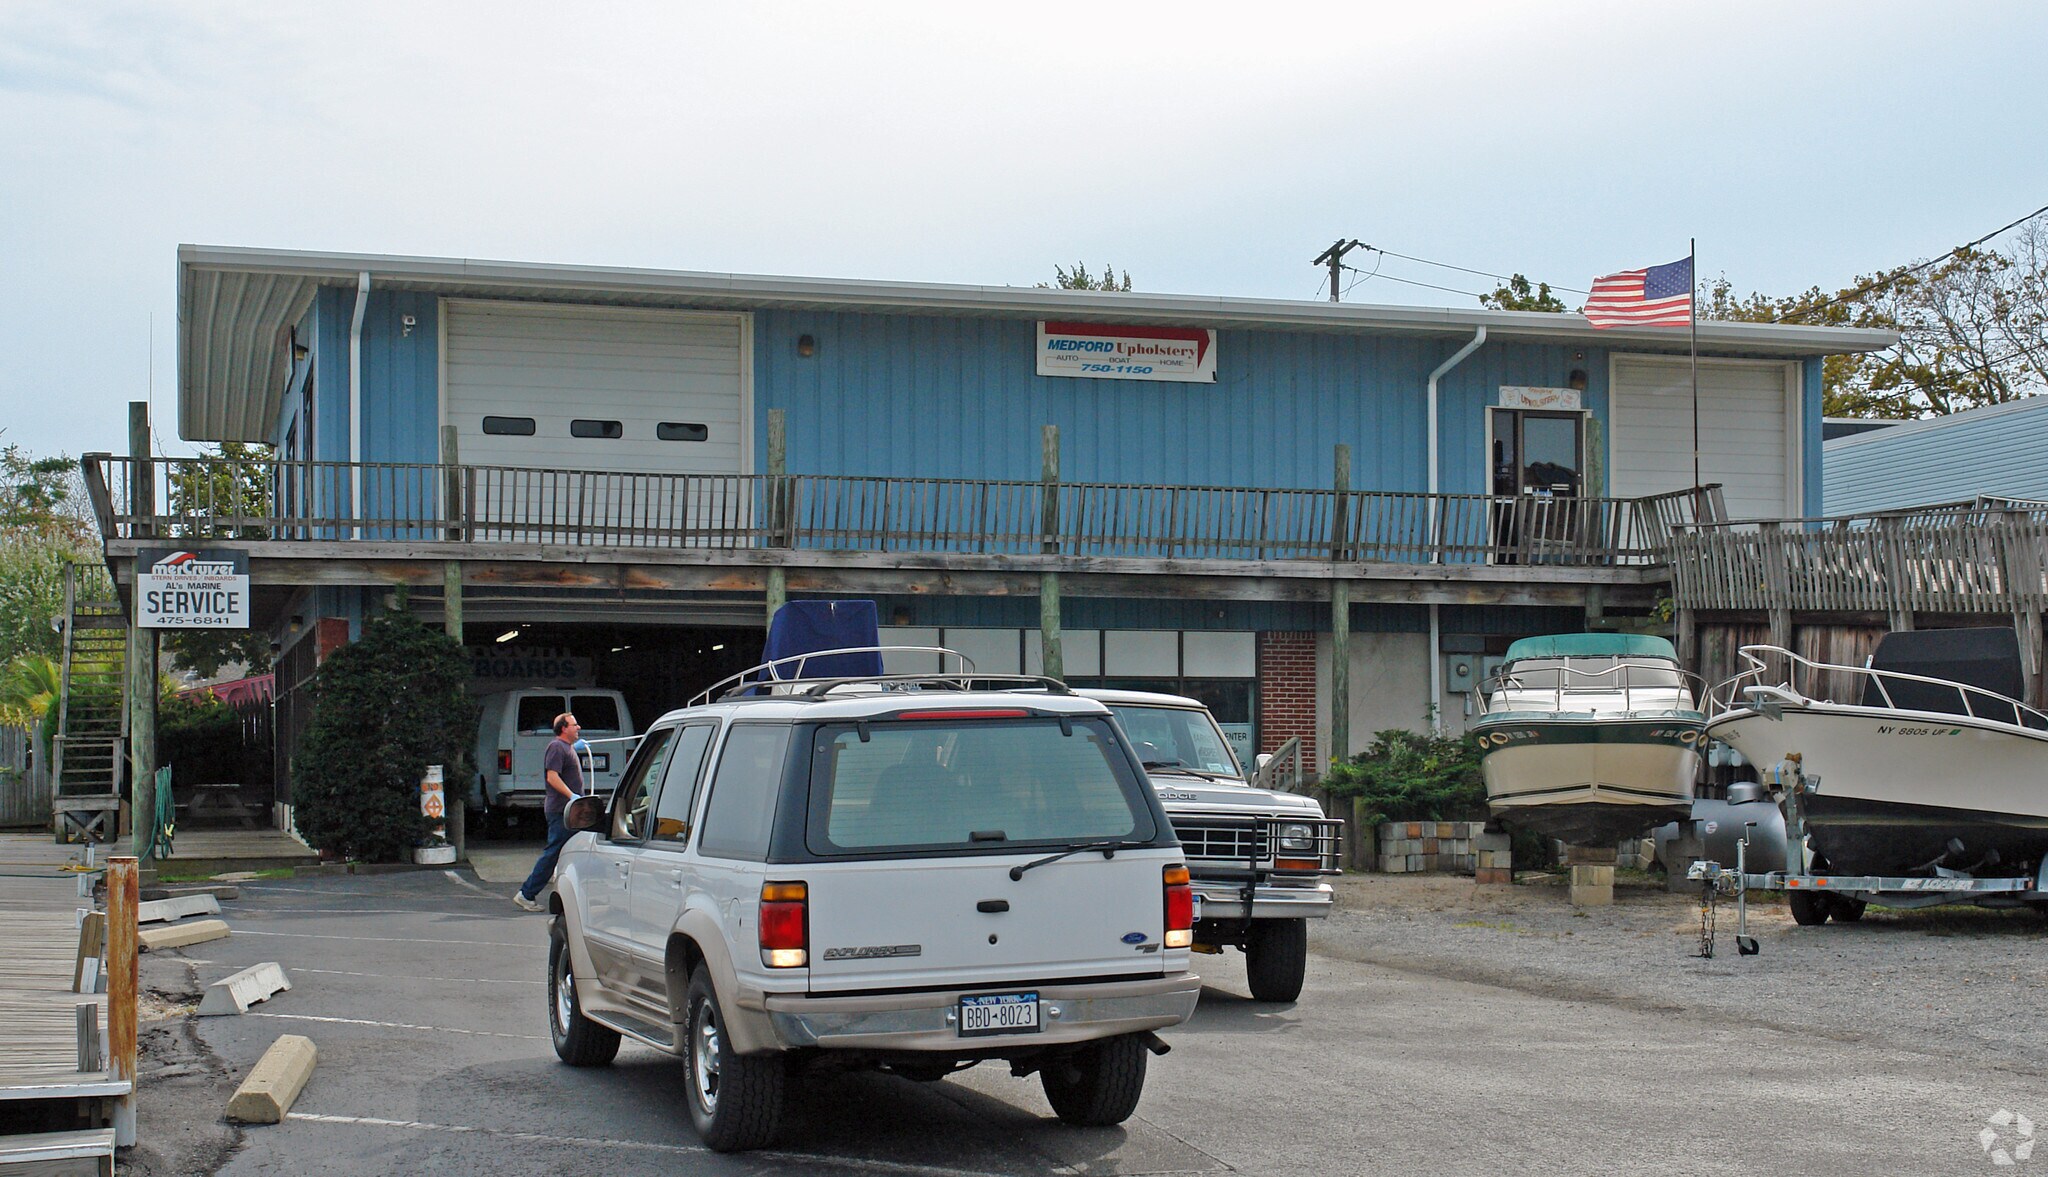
x=1467 y=270
x=1888 y=279
x=1411 y=282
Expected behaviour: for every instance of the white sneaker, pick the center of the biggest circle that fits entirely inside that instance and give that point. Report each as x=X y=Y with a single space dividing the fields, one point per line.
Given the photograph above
x=520 y=901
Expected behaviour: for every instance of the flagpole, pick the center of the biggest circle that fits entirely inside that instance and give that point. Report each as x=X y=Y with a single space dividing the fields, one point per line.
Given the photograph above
x=1692 y=318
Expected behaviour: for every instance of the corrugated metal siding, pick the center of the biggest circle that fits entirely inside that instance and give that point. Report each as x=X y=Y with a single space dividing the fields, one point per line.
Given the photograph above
x=947 y=397
x=1260 y=616
x=2001 y=450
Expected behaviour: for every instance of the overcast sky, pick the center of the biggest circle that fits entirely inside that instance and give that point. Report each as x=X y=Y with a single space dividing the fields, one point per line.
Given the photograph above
x=1206 y=149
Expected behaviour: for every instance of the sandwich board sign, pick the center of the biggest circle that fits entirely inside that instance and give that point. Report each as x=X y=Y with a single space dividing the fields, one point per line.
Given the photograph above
x=184 y=589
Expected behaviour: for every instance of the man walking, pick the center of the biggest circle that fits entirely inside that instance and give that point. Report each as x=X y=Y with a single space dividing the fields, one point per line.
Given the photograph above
x=564 y=775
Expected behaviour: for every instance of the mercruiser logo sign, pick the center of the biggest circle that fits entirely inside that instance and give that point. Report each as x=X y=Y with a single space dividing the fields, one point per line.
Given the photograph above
x=1104 y=352
x=192 y=590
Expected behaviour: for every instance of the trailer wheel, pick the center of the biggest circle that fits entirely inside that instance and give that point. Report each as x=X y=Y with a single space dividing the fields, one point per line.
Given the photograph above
x=1809 y=908
x=1847 y=910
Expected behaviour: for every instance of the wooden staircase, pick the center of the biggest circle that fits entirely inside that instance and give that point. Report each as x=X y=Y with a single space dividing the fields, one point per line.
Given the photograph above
x=90 y=757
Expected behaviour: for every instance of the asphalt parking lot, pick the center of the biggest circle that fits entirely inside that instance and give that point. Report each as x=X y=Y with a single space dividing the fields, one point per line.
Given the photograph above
x=424 y=992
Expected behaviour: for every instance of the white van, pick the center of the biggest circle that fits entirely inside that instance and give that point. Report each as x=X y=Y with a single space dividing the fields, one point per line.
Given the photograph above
x=514 y=732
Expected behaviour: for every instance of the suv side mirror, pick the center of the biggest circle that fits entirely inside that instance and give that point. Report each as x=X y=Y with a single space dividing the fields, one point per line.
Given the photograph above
x=585 y=813
x=1264 y=759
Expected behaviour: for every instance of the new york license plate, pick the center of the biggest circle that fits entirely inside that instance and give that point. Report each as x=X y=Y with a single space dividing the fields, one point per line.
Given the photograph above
x=999 y=1013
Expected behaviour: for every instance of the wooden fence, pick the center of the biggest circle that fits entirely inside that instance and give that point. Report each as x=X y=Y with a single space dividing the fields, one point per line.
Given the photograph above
x=24 y=781
x=1968 y=558
x=212 y=499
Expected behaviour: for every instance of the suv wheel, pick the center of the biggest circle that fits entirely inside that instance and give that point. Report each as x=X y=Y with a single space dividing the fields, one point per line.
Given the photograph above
x=578 y=1041
x=1276 y=959
x=735 y=1100
x=1099 y=1084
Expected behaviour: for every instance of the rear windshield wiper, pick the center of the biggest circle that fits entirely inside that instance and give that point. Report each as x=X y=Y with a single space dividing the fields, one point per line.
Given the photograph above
x=1108 y=849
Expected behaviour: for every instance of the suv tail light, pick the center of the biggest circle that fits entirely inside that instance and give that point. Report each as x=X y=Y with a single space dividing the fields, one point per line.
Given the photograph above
x=1180 y=907
x=785 y=925
x=504 y=760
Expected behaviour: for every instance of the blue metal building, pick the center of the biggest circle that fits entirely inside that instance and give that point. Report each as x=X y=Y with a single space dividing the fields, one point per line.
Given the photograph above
x=416 y=361
x=1998 y=451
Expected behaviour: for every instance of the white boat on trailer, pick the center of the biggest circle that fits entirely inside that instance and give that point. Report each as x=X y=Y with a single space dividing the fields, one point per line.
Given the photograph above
x=1590 y=737
x=1928 y=788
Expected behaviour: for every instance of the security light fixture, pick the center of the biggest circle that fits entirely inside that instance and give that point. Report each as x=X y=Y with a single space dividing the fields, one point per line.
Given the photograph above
x=507 y=636
x=1577 y=379
x=408 y=322
x=719 y=646
x=806 y=346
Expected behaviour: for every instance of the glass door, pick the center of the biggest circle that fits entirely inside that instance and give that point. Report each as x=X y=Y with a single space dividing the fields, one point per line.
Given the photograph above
x=1538 y=470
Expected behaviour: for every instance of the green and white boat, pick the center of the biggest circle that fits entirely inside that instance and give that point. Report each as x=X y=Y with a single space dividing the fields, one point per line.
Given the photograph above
x=1590 y=737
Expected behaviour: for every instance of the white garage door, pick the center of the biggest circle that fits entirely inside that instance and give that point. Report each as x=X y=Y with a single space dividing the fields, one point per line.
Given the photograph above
x=539 y=389
x=1749 y=432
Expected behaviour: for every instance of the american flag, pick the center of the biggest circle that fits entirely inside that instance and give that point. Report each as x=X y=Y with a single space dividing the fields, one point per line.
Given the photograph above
x=1660 y=296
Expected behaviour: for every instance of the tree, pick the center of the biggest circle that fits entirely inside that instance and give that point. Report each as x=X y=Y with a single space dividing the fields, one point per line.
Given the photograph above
x=1973 y=328
x=383 y=709
x=1515 y=294
x=1079 y=278
x=29 y=688
x=223 y=497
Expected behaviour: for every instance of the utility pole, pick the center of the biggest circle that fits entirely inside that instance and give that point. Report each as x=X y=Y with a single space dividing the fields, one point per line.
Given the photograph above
x=1333 y=257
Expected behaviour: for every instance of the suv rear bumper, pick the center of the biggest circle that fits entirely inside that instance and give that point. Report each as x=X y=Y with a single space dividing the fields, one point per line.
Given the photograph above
x=1224 y=900
x=925 y=1021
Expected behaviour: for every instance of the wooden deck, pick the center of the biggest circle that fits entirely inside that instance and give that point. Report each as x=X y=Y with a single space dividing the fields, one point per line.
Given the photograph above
x=39 y=1050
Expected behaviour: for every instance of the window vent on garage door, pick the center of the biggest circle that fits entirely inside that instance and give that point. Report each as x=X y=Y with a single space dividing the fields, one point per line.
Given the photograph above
x=509 y=426
x=681 y=431
x=584 y=427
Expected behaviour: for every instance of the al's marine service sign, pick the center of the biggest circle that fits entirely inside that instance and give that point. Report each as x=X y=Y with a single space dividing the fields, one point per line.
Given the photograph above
x=1101 y=351
x=191 y=590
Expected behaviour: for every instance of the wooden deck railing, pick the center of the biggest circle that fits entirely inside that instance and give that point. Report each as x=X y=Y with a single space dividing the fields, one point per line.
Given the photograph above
x=1983 y=557
x=192 y=499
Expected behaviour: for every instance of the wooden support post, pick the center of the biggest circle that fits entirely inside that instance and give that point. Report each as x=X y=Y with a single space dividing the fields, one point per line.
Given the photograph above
x=1688 y=635
x=1777 y=584
x=1340 y=616
x=778 y=504
x=123 y=893
x=1051 y=654
x=141 y=692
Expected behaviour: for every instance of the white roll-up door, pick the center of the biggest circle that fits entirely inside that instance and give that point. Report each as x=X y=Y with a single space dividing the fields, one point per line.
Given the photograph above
x=540 y=388
x=1749 y=430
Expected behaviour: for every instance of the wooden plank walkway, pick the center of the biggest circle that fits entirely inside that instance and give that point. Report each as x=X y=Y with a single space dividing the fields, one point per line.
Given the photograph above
x=39 y=1049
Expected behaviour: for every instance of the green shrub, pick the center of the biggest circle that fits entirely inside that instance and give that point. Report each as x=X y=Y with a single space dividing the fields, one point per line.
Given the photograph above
x=200 y=739
x=383 y=709
x=1412 y=776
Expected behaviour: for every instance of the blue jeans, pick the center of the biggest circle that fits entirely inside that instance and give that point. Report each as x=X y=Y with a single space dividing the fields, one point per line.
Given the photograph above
x=544 y=867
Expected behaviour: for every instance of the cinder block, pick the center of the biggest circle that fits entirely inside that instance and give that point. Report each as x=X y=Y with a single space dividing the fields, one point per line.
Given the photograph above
x=275 y=1082
x=1486 y=841
x=1493 y=876
x=176 y=908
x=179 y=935
x=1592 y=886
x=235 y=994
x=1414 y=829
x=1589 y=855
x=1429 y=845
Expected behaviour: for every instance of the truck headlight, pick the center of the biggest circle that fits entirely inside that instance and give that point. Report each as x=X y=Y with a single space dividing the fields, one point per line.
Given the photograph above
x=1296 y=837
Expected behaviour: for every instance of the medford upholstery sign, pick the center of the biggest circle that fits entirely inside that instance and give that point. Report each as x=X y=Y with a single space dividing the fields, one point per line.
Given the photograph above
x=178 y=589
x=1102 y=351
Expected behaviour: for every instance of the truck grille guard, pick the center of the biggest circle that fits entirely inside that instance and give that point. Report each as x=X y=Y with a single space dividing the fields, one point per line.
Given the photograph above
x=1226 y=846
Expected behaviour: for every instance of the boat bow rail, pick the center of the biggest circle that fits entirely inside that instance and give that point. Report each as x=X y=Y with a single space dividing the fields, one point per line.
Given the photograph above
x=1752 y=690
x=1672 y=689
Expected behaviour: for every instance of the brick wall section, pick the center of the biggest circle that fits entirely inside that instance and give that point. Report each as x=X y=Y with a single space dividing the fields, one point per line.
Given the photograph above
x=1287 y=692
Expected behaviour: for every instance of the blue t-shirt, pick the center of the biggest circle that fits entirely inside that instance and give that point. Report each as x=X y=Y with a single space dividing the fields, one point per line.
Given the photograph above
x=561 y=760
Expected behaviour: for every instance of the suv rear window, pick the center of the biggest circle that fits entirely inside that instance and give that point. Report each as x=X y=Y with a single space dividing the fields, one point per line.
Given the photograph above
x=597 y=713
x=537 y=713
x=974 y=784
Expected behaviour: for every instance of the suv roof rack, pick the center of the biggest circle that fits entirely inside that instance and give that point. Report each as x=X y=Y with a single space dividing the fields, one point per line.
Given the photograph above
x=770 y=678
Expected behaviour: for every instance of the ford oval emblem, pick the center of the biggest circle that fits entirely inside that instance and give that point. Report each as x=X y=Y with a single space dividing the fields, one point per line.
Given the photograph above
x=1134 y=937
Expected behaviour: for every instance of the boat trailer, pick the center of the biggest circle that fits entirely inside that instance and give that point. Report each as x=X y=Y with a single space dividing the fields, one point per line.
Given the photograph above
x=1905 y=891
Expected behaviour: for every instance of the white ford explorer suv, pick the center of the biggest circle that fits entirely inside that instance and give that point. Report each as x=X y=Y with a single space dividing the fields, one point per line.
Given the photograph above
x=1259 y=857
x=914 y=873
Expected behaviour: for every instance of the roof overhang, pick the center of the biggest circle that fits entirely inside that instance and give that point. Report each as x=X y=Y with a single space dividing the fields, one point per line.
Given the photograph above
x=236 y=307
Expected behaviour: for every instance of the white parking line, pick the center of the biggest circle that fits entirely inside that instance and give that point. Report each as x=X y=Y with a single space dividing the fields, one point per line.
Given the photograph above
x=587 y=1142
x=459 y=881
x=404 y=977
x=397 y=1026
x=389 y=939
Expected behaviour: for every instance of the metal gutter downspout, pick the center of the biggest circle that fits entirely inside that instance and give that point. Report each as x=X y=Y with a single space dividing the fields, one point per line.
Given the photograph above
x=355 y=396
x=1436 y=555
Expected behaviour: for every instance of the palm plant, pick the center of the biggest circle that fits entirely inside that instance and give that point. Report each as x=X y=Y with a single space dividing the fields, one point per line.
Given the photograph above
x=29 y=688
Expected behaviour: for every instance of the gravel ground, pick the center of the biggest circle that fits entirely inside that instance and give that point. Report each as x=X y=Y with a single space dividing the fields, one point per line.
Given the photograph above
x=1958 y=982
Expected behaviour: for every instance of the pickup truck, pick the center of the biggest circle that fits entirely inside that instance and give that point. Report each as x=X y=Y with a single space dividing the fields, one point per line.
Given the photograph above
x=1260 y=858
